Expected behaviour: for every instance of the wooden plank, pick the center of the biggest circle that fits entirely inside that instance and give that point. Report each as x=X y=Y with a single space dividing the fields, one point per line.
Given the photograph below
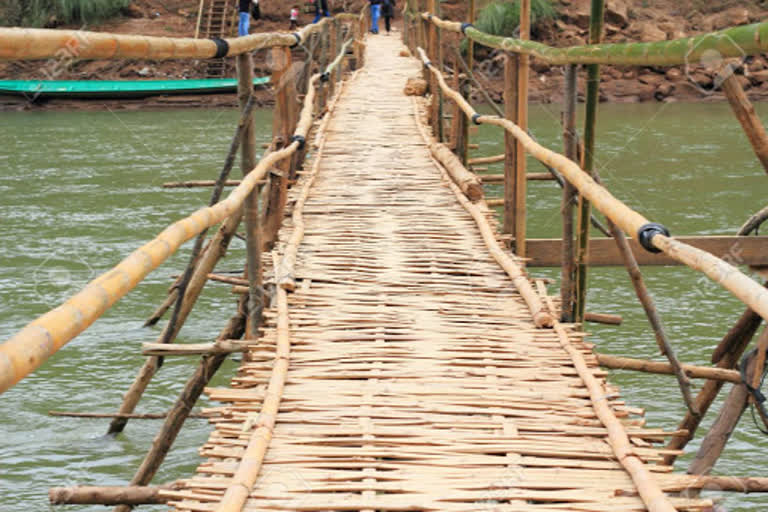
x=738 y=250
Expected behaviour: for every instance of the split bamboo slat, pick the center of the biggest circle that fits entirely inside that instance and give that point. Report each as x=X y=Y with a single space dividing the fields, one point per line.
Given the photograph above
x=746 y=289
x=405 y=371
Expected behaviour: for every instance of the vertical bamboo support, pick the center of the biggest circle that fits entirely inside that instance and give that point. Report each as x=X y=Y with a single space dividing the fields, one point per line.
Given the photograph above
x=333 y=49
x=569 y=193
x=593 y=92
x=440 y=55
x=251 y=204
x=746 y=115
x=459 y=119
x=522 y=121
x=466 y=89
x=339 y=70
x=511 y=104
x=283 y=123
x=322 y=96
x=434 y=89
x=180 y=411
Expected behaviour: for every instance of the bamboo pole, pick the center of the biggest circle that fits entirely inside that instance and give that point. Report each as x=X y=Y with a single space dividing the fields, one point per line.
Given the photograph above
x=745 y=113
x=523 y=62
x=675 y=52
x=253 y=240
x=183 y=406
x=198 y=184
x=719 y=271
x=739 y=340
x=486 y=159
x=109 y=495
x=570 y=143
x=199 y=18
x=434 y=110
x=696 y=372
x=584 y=209
x=511 y=89
x=719 y=433
x=133 y=416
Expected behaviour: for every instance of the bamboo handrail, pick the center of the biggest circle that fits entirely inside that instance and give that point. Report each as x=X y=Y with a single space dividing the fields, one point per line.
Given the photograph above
x=726 y=275
x=36 y=44
x=733 y=42
x=34 y=344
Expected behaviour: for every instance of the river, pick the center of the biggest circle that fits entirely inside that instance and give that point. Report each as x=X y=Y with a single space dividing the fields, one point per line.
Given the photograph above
x=82 y=189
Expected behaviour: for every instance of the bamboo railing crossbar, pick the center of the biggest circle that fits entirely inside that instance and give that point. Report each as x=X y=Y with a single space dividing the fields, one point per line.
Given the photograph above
x=37 y=44
x=34 y=344
x=726 y=275
x=736 y=42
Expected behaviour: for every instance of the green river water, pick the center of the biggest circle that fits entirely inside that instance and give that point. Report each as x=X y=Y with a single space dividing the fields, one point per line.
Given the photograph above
x=82 y=189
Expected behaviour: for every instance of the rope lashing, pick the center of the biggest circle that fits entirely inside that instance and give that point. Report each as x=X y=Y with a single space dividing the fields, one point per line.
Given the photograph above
x=646 y=233
x=222 y=47
x=465 y=26
x=756 y=393
x=300 y=139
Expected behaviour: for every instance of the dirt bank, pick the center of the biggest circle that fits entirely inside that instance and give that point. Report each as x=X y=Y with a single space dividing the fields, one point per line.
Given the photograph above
x=649 y=20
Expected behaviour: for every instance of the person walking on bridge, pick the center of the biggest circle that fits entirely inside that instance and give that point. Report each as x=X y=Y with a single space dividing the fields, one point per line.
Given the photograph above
x=388 y=11
x=375 y=13
x=321 y=9
x=245 y=16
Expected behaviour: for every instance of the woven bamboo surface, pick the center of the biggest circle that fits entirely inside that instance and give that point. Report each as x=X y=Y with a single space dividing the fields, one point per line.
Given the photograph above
x=417 y=379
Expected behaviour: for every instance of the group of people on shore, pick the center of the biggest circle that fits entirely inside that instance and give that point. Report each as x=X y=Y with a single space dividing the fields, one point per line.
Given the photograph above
x=379 y=9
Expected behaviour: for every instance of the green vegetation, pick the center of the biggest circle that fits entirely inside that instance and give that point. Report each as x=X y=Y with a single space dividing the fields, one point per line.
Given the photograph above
x=37 y=13
x=503 y=18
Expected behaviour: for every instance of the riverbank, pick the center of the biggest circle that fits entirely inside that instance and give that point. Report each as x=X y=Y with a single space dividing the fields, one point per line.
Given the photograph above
x=650 y=20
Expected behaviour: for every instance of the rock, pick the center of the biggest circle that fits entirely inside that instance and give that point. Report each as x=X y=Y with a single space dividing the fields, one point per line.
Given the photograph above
x=647 y=31
x=133 y=11
x=730 y=18
x=617 y=13
x=651 y=78
x=759 y=77
x=611 y=30
x=415 y=87
x=578 y=15
x=674 y=74
x=144 y=71
x=628 y=88
x=663 y=90
x=405 y=52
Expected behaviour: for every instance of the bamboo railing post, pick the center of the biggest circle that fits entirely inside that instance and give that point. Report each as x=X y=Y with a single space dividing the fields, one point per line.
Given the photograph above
x=523 y=60
x=440 y=57
x=251 y=204
x=745 y=113
x=432 y=53
x=322 y=95
x=180 y=411
x=338 y=71
x=511 y=70
x=570 y=142
x=334 y=49
x=466 y=90
x=283 y=124
x=717 y=437
x=592 y=98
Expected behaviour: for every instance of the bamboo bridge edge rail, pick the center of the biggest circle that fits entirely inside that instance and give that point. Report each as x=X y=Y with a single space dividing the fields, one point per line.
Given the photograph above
x=654 y=237
x=35 y=343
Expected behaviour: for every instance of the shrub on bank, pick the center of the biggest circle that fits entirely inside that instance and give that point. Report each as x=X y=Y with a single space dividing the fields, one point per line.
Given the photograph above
x=38 y=13
x=503 y=18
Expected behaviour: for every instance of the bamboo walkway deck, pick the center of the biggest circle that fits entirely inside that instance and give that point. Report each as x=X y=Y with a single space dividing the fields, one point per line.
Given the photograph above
x=417 y=379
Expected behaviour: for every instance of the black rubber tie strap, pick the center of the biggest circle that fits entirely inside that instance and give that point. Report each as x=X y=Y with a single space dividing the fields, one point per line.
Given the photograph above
x=427 y=64
x=300 y=139
x=465 y=26
x=325 y=76
x=646 y=233
x=222 y=47
x=476 y=118
x=298 y=39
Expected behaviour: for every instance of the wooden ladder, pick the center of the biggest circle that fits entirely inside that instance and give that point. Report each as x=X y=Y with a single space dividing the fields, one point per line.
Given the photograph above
x=216 y=18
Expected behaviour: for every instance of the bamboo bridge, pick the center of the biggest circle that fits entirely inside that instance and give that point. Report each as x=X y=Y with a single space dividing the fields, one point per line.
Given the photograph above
x=396 y=354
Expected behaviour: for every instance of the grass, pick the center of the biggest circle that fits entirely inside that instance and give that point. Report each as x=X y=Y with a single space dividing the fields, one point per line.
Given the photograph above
x=503 y=18
x=36 y=13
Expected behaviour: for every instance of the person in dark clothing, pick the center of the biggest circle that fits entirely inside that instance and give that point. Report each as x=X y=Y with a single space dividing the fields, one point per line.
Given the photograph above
x=320 y=10
x=244 y=8
x=388 y=11
x=375 y=13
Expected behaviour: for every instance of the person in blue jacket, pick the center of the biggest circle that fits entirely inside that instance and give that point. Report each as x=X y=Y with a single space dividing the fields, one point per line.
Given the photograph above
x=375 y=14
x=245 y=16
x=321 y=9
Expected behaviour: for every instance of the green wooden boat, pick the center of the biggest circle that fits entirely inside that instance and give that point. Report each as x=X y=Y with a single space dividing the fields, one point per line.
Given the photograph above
x=34 y=89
